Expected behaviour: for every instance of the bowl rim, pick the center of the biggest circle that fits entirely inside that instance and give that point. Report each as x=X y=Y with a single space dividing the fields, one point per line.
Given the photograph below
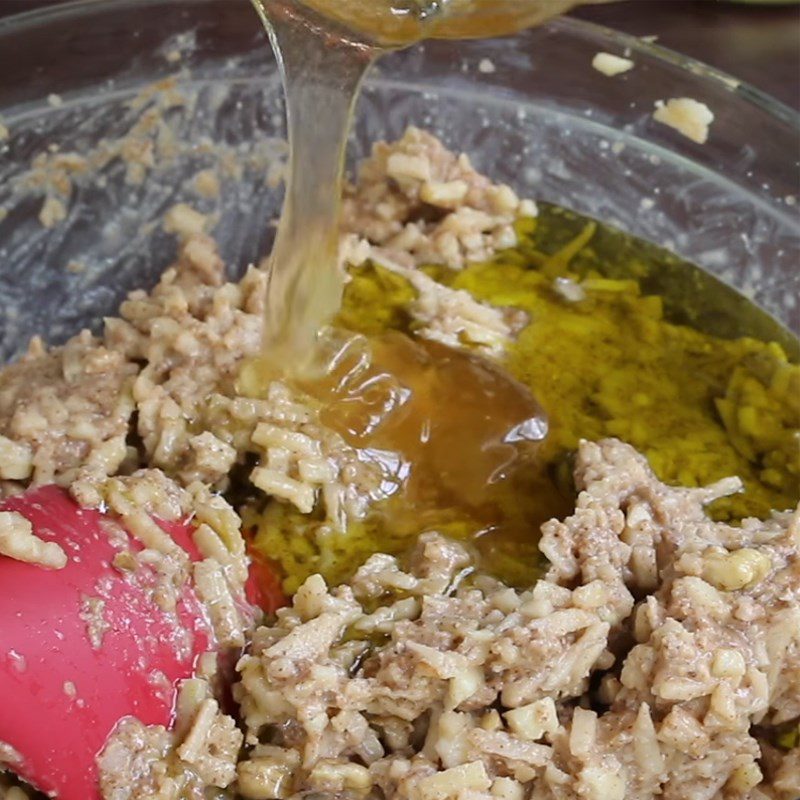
x=766 y=102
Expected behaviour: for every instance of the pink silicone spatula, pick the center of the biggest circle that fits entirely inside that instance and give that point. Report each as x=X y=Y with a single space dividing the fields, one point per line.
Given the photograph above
x=62 y=689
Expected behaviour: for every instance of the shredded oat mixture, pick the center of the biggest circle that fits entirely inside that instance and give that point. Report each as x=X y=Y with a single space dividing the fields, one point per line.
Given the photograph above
x=659 y=656
x=386 y=207
x=636 y=668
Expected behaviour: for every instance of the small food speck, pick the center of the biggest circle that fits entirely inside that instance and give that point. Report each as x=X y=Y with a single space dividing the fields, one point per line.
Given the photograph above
x=92 y=611
x=75 y=267
x=173 y=56
x=611 y=65
x=53 y=211
x=486 y=66
x=18 y=661
x=55 y=100
x=687 y=116
x=206 y=184
x=184 y=220
x=569 y=289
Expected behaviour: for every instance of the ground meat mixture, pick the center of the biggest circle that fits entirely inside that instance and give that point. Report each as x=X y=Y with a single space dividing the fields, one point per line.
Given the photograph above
x=648 y=662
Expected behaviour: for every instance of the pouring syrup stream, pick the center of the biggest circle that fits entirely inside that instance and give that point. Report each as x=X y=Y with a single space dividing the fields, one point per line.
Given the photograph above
x=466 y=433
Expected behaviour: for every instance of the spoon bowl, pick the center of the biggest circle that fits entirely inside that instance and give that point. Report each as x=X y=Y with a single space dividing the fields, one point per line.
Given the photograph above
x=87 y=645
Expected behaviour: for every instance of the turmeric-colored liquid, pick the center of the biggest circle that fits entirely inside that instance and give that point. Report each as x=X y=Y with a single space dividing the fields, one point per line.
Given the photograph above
x=458 y=441
x=477 y=450
x=614 y=363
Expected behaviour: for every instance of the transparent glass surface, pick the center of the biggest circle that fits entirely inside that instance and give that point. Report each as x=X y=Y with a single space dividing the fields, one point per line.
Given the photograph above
x=113 y=155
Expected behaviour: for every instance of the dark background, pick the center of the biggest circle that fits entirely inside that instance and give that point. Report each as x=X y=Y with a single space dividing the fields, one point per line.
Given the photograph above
x=759 y=44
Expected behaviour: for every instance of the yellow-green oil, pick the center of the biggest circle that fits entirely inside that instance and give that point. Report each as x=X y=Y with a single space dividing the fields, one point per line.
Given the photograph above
x=700 y=407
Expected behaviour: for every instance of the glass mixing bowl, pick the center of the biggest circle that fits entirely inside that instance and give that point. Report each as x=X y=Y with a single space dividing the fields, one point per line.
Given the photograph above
x=98 y=153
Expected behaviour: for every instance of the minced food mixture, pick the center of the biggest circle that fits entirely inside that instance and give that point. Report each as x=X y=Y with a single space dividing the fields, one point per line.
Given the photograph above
x=654 y=651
